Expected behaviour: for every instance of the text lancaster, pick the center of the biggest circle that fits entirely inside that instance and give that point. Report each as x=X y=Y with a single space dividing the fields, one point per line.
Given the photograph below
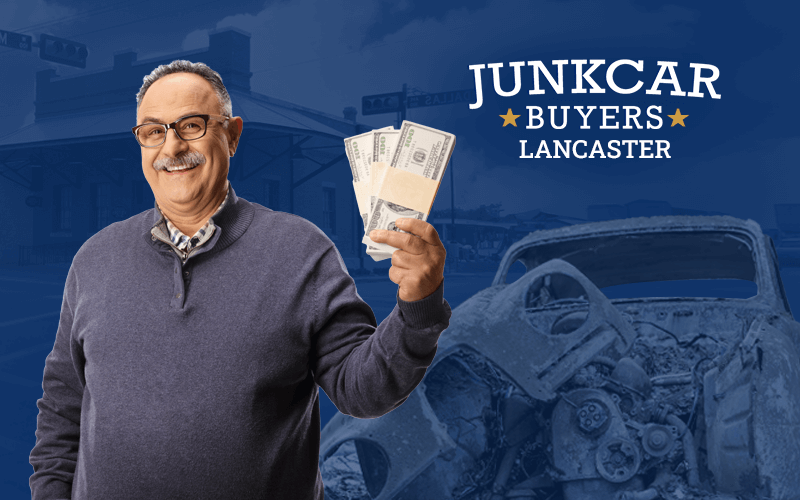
x=646 y=148
x=704 y=74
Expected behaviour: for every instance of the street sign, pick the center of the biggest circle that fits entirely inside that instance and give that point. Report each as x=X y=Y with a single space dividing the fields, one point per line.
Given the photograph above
x=62 y=51
x=382 y=103
x=439 y=98
x=15 y=40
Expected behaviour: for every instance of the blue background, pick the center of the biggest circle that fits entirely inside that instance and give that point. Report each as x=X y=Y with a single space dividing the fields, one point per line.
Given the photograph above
x=736 y=155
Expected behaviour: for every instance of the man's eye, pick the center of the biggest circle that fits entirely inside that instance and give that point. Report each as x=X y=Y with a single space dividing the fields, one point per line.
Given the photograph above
x=155 y=131
x=190 y=126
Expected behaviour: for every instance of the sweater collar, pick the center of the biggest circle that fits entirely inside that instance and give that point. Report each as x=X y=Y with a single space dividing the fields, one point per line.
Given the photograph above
x=231 y=222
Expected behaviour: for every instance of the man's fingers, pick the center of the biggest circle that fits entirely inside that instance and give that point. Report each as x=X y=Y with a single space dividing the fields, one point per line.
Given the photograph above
x=403 y=241
x=403 y=259
x=396 y=274
x=421 y=229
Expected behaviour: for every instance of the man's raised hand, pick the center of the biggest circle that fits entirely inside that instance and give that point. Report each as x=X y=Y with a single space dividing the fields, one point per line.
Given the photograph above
x=418 y=264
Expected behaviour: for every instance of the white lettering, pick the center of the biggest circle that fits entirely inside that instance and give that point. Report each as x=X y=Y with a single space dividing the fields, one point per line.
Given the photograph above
x=607 y=117
x=564 y=149
x=553 y=117
x=597 y=149
x=629 y=116
x=580 y=76
x=522 y=148
x=655 y=117
x=704 y=79
x=478 y=85
x=614 y=149
x=660 y=148
x=645 y=145
x=543 y=149
x=557 y=86
x=531 y=116
x=585 y=116
x=639 y=65
x=673 y=79
x=575 y=151
x=517 y=78
x=630 y=147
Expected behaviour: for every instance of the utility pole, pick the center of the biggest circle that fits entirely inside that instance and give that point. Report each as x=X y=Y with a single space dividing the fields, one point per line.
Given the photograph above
x=453 y=208
x=401 y=114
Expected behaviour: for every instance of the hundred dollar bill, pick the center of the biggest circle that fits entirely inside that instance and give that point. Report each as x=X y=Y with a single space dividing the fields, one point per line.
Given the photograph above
x=359 y=151
x=378 y=255
x=377 y=172
x=384 y=216
x=384 y=143
x=423 y=151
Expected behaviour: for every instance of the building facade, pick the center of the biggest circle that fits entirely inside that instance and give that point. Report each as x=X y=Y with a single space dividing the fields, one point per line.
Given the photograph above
x=78 y=168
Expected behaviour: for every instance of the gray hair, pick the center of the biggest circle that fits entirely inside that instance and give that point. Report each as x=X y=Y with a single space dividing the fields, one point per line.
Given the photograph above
x=181 y=66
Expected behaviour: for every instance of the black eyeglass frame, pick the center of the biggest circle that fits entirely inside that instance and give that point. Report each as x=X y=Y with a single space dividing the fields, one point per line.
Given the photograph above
x=167 y=126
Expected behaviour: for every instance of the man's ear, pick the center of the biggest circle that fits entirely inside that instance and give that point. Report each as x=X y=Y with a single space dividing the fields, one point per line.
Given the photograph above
x=235 y=125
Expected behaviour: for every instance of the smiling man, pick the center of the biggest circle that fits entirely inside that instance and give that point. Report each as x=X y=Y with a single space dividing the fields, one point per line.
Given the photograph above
x=194 y=336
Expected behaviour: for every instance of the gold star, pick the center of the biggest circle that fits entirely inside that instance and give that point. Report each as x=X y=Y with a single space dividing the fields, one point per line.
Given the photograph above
x=677 y=118
x=509 y=117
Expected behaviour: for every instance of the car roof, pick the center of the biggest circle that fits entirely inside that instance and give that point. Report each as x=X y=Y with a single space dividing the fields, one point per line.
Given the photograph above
x=597 y=242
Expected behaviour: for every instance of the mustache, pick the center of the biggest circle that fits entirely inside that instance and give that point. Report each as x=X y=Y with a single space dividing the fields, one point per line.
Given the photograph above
x=190 y=159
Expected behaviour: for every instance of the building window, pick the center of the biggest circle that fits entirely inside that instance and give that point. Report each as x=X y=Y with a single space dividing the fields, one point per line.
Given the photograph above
x=272 y=194
x=329 y=210
x=101 y=205
x=62 y=208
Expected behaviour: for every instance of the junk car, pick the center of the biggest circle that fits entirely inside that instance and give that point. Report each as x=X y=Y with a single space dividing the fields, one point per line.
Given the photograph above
x=634 y=359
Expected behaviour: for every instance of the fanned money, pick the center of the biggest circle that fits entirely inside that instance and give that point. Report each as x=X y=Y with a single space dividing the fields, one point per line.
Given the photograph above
x=409 y=185
x=384 y=143
x=396 y=174
x=360 y=150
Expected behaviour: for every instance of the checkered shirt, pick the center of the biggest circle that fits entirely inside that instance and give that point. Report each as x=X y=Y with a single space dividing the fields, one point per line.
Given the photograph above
x=186 y=244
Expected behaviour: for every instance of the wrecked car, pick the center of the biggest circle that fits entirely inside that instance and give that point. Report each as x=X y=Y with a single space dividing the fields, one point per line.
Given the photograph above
x=634 y=359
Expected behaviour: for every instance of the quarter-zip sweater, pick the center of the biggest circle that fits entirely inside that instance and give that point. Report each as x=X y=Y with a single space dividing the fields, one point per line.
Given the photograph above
x=199 y=379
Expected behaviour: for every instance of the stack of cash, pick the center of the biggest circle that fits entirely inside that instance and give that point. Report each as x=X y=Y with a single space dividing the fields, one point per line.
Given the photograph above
x=396 y=174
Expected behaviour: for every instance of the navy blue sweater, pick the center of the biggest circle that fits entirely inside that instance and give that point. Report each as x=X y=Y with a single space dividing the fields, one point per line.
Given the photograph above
x=199 y=380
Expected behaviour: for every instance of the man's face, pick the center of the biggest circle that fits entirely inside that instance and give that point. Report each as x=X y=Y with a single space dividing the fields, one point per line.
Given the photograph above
x=192 y=190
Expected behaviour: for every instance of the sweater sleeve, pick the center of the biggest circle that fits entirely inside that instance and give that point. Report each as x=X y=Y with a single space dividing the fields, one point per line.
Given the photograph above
x=55 y=453
x=369 y=371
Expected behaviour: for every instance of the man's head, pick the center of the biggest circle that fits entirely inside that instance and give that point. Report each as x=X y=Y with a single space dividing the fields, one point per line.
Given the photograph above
x=171 y=92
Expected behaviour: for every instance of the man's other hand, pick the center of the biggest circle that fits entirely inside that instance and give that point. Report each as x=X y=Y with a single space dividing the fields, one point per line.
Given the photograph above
x=418 y=264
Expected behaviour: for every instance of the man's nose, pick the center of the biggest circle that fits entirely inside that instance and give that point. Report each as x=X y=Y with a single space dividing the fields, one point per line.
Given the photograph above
x=173 y=145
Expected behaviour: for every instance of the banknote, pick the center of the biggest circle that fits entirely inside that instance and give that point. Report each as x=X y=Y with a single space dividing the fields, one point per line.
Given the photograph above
x=384 y=215
x=378 y=255
x=384 y=143
x=377 y=170
x=422 y=151
x=360 y=151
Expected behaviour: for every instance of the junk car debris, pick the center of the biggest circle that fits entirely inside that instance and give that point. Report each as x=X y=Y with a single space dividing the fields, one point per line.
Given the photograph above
x=546 y=388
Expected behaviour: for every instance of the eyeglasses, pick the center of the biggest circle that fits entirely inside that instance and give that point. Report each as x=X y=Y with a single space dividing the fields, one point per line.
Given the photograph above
x=188 y=128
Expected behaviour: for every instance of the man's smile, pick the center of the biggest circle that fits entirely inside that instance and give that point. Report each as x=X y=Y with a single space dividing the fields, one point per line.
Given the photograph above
x=180 y=164
x=180 y=169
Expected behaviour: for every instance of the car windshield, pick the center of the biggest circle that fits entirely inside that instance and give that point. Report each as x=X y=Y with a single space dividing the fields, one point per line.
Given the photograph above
x=724 y=288
x=659 y=264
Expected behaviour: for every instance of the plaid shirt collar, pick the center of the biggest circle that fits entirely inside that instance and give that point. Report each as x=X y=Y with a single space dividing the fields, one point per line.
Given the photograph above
x=185 y=244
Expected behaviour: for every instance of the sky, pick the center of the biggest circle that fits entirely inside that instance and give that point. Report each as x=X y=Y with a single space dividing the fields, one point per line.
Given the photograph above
x=735 y=155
